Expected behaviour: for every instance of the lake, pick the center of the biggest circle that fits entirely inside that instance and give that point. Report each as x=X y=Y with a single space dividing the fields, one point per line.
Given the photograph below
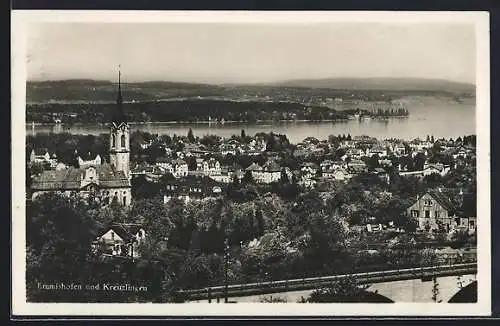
x=427 y=117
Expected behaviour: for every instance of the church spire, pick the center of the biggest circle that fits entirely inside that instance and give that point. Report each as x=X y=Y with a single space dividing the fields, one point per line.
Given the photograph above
x=119 y=100
x=119 y=115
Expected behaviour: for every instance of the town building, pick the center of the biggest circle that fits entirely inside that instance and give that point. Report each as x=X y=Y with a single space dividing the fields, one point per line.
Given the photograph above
x=180 y=168
x=269 y=173
x=192 y=188
x=437 y=210
x=42 y=156
x=95 y=161
x=121 y=240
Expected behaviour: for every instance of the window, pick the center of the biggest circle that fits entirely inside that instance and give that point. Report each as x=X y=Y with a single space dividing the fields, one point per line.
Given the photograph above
x=113 y=138
x=415 y=213
x=436 y=214
x=123 y=141
x=428 y=202
x=124 y=200
x=471 y=224
x=457 y=221
x=427 y=214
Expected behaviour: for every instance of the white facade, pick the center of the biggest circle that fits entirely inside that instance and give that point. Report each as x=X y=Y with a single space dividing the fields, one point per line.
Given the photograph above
x=96 y=161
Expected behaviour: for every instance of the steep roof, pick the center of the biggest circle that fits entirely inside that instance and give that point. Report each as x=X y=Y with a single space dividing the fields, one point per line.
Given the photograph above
x=183 y=185
x=125 y=231
x=70 y=179
x=254 y=167
x=87 y=156
x=443 y=200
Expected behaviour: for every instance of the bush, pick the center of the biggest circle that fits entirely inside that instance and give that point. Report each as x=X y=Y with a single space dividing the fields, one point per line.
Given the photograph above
x=272 y=299
x=459 y=239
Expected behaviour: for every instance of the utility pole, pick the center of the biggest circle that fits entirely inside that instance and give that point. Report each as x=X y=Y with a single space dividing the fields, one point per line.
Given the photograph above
x=226 y=265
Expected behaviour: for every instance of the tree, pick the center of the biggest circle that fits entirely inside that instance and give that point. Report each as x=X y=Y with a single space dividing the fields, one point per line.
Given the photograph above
x=59 y=234
x=328 y=234
x=346 y=290
x=142 y=188
x=191 y=161
x=372 y=162
x=260 y=222
x=190 y=136
x=154 y=217
x=247 y=178
x=419 y=161
x=284 y=177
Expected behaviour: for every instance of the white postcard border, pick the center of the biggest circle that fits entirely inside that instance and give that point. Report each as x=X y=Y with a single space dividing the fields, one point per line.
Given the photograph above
x=20 y=19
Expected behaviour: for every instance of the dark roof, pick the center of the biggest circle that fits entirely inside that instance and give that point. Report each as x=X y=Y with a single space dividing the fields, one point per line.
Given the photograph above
x=178 y=161
x=355 y=169
x=443 y=200
x=272 y=166
x=125 y=231
x=193 y=180
x=87 y=156
x=70 y=179
x=40 y=151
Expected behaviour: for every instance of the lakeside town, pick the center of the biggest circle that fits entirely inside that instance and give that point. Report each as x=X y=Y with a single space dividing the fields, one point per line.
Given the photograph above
x=186 y=210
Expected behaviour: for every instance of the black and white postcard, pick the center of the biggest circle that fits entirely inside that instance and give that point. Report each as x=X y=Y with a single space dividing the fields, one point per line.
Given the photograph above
x=287 y=163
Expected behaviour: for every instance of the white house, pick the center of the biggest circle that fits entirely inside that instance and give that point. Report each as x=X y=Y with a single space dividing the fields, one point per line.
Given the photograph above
x=96 y=161
x=271 y=172
x=122 y=240
x=180 y=168
x=378 y=150
x=211 y=167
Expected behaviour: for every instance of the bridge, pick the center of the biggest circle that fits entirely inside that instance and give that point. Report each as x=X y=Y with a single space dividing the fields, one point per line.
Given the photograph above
x=400 y=285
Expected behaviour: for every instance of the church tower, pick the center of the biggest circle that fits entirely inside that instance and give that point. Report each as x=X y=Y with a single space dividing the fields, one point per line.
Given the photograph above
x=119 y=143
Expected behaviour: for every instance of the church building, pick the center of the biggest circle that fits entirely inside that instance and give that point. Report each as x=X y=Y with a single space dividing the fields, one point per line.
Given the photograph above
x=105 y=181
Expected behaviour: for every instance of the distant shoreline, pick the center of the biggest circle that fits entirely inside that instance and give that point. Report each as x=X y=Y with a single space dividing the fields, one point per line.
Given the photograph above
x=187 y=122
x=212 y=123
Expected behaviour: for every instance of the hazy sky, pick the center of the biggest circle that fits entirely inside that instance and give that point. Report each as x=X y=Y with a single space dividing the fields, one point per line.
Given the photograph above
x=219 y=53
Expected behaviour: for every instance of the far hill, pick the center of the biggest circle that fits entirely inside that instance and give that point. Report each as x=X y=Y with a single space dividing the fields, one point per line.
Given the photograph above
x=105 y=91
x=87 y=90
x=382 y=84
